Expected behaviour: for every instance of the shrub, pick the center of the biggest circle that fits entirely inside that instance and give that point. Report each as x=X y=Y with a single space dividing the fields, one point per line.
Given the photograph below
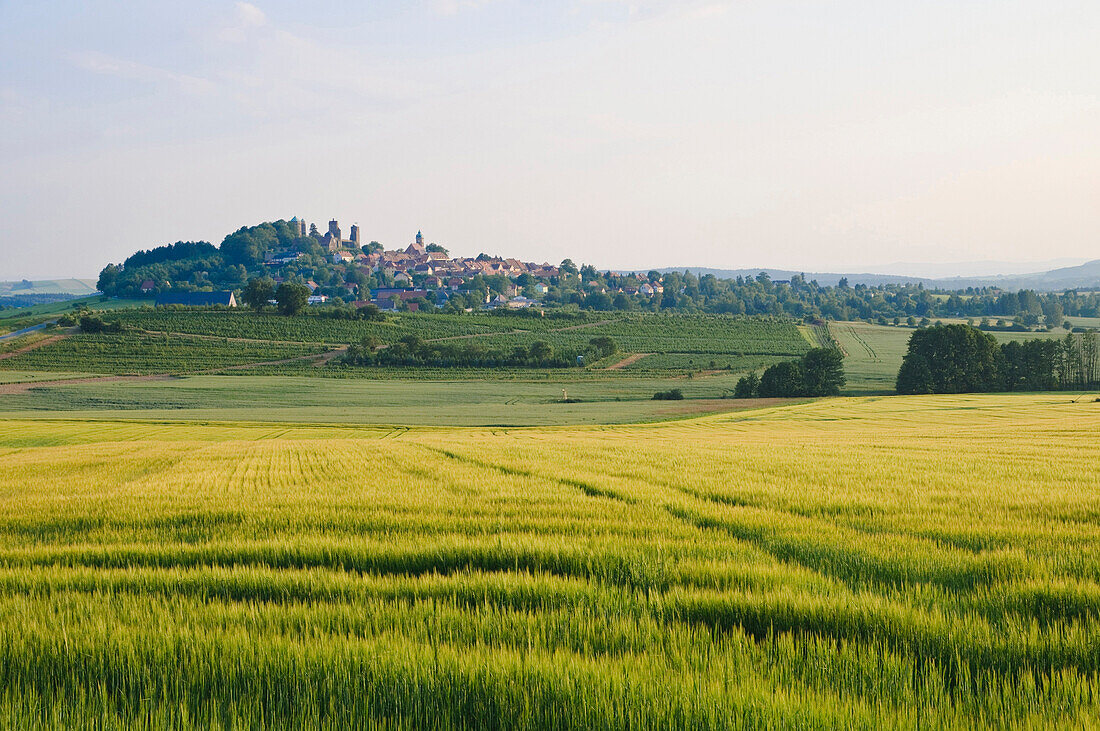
x=674 y=394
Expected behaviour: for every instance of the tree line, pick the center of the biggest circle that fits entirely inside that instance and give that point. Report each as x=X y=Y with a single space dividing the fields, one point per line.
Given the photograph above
x=963 y=359
x=412 y=350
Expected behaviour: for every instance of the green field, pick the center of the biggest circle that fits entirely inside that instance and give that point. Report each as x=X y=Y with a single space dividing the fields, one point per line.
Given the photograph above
x=305 y=399
x=872 y=354
x=856 y=563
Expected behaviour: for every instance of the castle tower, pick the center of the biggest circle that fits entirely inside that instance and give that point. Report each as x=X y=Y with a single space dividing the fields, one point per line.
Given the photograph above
x=355 y=235
x=302 y=226
x=334 y=229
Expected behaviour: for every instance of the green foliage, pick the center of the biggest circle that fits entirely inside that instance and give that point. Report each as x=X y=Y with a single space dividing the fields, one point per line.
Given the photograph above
x=783 y=379
x=674 y=394
x=950 y=359
x=747 y=386
x=823 y=372
x=258 y=292
x=92 y=324
x=961 y=359
x=171 y=252
x=413 y=351
x=292 y=297
x=141 y=354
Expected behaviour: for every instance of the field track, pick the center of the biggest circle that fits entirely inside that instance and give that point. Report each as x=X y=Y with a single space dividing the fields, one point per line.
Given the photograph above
x=32 y=346
x=628 y=360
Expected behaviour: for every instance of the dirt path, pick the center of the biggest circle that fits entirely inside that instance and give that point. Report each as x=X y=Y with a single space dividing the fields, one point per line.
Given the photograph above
x=586 y=324
x=628 y=360
x=520 y=331
x=327 y=357
x=33 y=346
x=223 y=338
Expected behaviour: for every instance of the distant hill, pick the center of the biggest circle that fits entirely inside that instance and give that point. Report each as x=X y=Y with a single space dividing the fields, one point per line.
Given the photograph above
x=1083 y=276
x=74 y=287
x=824 y=278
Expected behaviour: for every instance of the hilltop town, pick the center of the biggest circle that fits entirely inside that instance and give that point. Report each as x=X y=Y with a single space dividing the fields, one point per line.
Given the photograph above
x=351 y=271
x=420 y=271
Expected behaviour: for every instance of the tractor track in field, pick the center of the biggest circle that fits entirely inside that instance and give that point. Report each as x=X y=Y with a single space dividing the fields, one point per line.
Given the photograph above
x=627 y=361
x=10 y=388
x=32 y=346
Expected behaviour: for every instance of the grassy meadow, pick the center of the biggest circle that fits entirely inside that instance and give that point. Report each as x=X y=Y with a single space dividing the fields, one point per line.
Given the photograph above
x=860 y=563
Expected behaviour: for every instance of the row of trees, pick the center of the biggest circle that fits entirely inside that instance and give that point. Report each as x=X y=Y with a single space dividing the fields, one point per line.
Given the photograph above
x=414 y=351
x=820 y=372
x=963 y=359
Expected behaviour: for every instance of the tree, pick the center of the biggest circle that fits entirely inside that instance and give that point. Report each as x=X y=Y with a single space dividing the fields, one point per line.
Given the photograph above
x=598 y=301
x=782 y=379
x=567 y=267
x=292 y=297
x=541 y=351
x=258 y=292
x=437 y=248
x=747 y=386
x=823 y=372
x=108 y=278
x=248 y=245
x=1090 y=355
x=604 y=345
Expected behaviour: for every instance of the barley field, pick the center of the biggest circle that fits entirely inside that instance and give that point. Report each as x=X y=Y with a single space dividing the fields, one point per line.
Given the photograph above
x=863 y=563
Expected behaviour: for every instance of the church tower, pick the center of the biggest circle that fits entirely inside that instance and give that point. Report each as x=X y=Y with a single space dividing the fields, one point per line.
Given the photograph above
x=419 y=239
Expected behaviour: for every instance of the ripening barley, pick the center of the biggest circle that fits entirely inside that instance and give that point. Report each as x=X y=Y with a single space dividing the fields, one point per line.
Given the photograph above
x=924 y=561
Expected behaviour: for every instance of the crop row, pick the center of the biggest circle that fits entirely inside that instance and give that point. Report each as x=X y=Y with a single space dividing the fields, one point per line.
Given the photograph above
x=141 y=354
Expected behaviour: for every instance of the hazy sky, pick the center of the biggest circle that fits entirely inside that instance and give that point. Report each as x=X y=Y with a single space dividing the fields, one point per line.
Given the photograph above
x=816 y=135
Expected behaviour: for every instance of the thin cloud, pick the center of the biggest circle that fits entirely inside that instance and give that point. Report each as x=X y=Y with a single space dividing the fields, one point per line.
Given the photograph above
x=106 y=65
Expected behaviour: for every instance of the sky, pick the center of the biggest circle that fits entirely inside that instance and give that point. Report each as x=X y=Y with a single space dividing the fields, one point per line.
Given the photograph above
x=816 y=135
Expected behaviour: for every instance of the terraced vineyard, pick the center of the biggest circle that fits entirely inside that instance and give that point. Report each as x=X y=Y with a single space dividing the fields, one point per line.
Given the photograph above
x=312 y=329
x=158 y=340
x=848 y=563
x=142 y=354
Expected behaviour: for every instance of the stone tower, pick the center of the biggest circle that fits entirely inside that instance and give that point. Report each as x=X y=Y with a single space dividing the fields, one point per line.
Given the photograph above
x=419 y=239
x=355 y=235
x=334 y=229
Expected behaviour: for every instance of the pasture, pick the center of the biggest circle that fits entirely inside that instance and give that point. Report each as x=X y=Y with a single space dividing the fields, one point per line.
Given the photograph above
x=861 y=563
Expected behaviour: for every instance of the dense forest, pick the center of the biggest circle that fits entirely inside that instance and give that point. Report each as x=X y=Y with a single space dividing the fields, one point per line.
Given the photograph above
x=197 y=266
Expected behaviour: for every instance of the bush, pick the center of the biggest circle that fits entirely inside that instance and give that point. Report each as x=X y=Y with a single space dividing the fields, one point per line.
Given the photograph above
x=93 y=324
x=674 y=394
x=747 y=387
